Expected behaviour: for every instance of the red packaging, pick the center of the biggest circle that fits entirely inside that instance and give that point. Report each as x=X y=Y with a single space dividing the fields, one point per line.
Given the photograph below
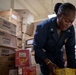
x=30 y=70
x=22 y=58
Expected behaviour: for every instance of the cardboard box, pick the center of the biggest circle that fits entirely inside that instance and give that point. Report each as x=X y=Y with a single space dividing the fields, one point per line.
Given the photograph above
x=65 y=71
x=11 y=15
x=22 y=58
x=8 y=40
x=19 y=43
x=30 y=70
x=19 y=30
x=33 y=60
x=35 y=25
x=38 y=70
x=27 y=37
x=7 y=58
x=15 y=18
x=4 y=51
x=4 y=71
x=13 y=72
x=5 y=67
x=29 y=29
x=7 y=63
x=7 y=26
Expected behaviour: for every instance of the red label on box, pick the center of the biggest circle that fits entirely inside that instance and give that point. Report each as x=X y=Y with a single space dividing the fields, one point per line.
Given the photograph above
x=22 y=58
x=30 y=70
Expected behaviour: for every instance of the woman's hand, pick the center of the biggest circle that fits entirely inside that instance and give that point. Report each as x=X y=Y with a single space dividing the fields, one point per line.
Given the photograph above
x=51 y=66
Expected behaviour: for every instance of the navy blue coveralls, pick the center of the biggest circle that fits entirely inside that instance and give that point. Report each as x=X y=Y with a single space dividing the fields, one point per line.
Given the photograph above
x=48 y=45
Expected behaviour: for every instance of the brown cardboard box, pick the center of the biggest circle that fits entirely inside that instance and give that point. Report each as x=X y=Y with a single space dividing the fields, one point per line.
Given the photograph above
x=7 y=26
x=19 y=43
x=4 y=51
x=19 y=30
x=35 y=25
x=7 y=58
x=27 y=37
x=5 y=67
x=4 y=71
x=15 y=18
x=29 y=29
x=8 y=40
x=11 y=15
x=7 y=62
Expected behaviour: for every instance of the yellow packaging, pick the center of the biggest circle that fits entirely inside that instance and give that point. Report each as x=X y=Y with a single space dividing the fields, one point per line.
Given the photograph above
x=65 y=71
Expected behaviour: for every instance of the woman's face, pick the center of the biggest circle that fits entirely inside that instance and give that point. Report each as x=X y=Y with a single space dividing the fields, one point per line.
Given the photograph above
x=64 y=21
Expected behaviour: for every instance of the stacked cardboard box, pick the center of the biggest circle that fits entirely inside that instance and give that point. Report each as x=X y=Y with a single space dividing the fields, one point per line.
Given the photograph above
x=7 y=34
x=4 y=51
x=11 y=15
x=7 y=60
x=19 y=44
x=8 y=40
x=7 y=26
x=8 y=44
x=16 y=19
x=30 y=31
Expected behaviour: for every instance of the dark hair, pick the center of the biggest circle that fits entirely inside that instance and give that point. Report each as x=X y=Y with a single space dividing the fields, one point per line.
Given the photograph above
x=56 y=7
x=66 y=7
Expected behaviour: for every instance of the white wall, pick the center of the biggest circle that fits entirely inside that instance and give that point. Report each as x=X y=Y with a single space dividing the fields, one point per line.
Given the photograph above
x=5 y=4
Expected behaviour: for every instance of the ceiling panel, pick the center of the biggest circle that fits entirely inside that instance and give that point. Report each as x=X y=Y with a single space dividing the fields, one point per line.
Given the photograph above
x=42 y=8
x=37 y=6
